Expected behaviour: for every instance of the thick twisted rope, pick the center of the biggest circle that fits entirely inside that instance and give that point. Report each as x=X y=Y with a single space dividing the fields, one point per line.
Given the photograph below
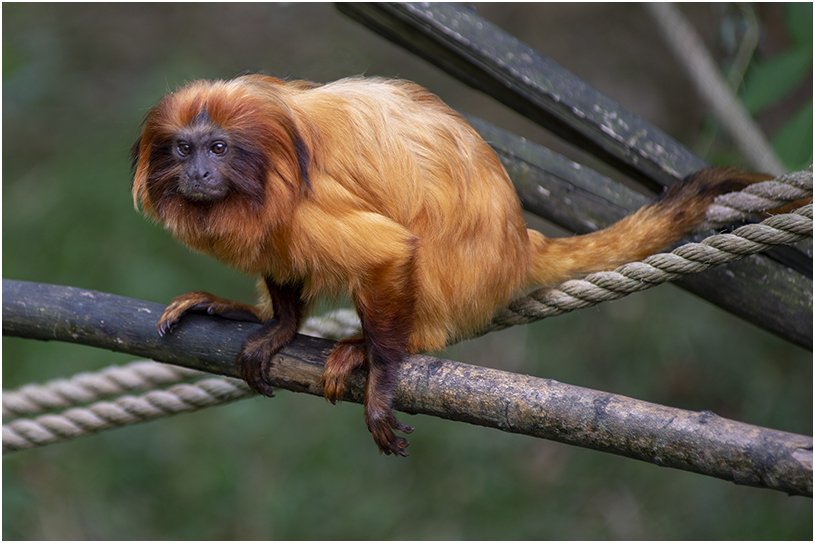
x=127 y=410
x=84 y=388
x=595 y=288
x=686 y=259
x=656 y=269
x=758 y=198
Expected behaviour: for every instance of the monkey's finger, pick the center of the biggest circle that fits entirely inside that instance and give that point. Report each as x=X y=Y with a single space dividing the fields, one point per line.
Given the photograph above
x=253 y=376
x=251 y=369
x=400 y=426
x=230 y=312
x=166 y=325
x=333 y=389
x=397 y=446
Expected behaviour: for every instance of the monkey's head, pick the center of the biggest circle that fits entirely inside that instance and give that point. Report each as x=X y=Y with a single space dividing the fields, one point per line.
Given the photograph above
x=219 y=159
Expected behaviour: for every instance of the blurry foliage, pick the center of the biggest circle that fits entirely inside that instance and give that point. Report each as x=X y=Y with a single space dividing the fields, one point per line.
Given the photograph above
x=77 y=79
x=770 y=80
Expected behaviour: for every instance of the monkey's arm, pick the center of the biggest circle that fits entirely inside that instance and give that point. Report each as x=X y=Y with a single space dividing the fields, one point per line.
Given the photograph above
x=259 y=349
x=256 y=354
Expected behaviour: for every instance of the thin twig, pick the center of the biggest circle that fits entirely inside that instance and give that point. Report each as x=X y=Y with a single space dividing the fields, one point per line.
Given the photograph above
x=711 y=86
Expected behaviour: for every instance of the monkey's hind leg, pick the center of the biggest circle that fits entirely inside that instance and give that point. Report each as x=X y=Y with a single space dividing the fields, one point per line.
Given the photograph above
x=386 y=312
x=350 y=354
x=256 y=354
x=204 y=302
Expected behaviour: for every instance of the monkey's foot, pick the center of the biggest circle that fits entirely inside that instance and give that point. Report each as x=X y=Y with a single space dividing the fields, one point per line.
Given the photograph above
x=207 y=303
x=255 y=359
x=347 y=356
x=253 y=368
x=382 y=427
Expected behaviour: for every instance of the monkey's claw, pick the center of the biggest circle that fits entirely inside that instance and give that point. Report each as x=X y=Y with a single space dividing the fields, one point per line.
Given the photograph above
x=382 y=430
x=333 y=388
x=252 y=371
x=167 y=322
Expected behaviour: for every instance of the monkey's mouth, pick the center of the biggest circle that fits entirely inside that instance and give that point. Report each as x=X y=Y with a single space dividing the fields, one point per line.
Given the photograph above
x=202 y=192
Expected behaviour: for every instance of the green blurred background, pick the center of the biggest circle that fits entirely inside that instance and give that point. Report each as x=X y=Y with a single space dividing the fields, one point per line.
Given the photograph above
x=77 y=80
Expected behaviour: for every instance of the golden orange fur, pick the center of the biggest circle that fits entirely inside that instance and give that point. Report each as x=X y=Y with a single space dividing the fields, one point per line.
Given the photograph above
x=375 y=189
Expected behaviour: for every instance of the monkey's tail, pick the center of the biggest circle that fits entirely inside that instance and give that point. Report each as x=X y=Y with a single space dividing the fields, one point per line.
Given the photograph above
x=651 y=229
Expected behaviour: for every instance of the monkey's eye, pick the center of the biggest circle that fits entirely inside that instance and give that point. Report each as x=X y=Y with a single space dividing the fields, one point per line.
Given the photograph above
x=218 y=148
x=184 y=148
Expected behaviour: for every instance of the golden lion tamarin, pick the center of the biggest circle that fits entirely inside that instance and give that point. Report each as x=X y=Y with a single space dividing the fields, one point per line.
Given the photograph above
x=372 y=188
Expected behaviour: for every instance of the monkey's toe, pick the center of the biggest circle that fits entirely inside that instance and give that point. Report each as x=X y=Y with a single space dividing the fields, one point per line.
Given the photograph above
x=165 y=326
x=229 y=310
x=388 y=442
x=262 y=387
x=253 y=373
x=347 y=356
x=333 y=387
x=204 y=302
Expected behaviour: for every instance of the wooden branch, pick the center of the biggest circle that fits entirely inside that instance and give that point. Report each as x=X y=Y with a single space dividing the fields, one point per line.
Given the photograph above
x=700 y=442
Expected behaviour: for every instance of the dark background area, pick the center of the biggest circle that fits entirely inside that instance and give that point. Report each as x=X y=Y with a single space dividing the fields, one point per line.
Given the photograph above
x=78 y=79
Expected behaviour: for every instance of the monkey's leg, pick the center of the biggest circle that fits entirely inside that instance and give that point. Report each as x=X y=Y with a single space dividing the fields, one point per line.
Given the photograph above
x=379 y=415
x=206 y=303
x=386 y=310
x=347 y=355
x=256 y=354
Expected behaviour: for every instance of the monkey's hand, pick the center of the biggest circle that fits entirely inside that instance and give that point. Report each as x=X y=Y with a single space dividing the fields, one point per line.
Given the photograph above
x=204 y=302
x=255 y=358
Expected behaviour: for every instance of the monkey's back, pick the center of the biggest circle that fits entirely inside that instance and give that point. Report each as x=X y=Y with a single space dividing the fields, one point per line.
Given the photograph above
x=393 y=149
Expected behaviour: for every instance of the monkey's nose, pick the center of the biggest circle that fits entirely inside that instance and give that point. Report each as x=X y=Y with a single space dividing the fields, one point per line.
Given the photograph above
x=198 y=175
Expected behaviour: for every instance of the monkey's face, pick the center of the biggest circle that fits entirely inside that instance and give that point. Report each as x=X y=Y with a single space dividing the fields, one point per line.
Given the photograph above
x=204 y=153
x=195 y=165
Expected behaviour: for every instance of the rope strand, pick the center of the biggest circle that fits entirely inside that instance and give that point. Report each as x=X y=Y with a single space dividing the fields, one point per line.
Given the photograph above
x=183 y=398
x=84 y=388
x=656 y=269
